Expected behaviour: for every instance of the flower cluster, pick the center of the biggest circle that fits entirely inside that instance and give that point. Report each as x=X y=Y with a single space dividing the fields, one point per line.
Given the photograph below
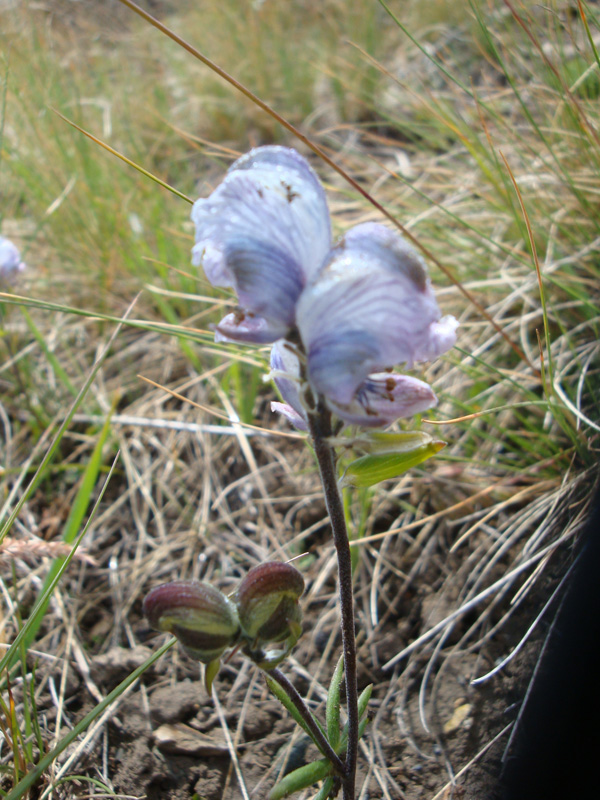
x=10 y=259
x=341 y=315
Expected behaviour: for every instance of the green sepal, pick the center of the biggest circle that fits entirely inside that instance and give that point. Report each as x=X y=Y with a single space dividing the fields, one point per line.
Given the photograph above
x=410 y=450
x=378 y=442
x=210 y=673
x=291 y=708
x=333 y=705
x=272 y=658
x=301 y=778
x=325 y=790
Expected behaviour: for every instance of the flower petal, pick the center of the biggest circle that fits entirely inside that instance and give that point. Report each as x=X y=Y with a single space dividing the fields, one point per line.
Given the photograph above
x=10 y=258
x=371 y=306
x=240 y=326
x=291 y=415
x=385 y=397
x=442 y=336
x=285 y=370
x=265 y=231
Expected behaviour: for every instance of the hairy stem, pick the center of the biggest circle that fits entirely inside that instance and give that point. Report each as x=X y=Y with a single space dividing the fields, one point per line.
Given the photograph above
x=321 y=430
x=317 y=734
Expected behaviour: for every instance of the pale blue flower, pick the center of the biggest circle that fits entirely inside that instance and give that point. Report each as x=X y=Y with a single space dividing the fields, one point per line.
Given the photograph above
x=358 y=308
x=265 y=231
x=380 y=399
x=371 y=307
x=10 y=259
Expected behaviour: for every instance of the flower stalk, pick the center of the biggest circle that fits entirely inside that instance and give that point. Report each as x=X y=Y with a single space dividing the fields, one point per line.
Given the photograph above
x=317 y=734
x=320 y=430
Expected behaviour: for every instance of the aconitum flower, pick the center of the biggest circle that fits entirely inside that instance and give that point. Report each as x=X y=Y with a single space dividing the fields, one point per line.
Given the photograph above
x=264 y=231
x=349 y=312
x=379 y=400
x=10 y=259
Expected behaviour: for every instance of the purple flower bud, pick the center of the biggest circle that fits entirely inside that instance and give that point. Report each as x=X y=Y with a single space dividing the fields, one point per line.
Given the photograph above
x=385 y=397
x=285 y=371
x=10 y=259
x=200 y=616
x=267 y=602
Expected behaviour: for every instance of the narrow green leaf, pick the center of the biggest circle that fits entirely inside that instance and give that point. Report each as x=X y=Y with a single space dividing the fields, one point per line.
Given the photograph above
x=73 y=523
x=325 y=790
x=362 y=727
x=376 y=442
x=291 y=708
x=363 y=700
x=333 y=705
x=363 y=704
x=33 y=776
x=372 y=469
x=301 y=778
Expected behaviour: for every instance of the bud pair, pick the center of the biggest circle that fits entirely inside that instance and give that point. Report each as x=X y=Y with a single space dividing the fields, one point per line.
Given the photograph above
x=263 y=609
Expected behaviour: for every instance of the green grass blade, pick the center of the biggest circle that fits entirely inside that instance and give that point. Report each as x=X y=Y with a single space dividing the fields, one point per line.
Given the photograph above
x=158 y=327
x=123 y=158
x=40 y=607
x=36 y=773
x=50 y=357
x=73 y=523
x=40 y=471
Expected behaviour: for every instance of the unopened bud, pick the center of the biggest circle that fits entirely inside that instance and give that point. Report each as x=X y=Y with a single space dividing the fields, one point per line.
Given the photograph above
x=200 y=616
x=267 y=601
